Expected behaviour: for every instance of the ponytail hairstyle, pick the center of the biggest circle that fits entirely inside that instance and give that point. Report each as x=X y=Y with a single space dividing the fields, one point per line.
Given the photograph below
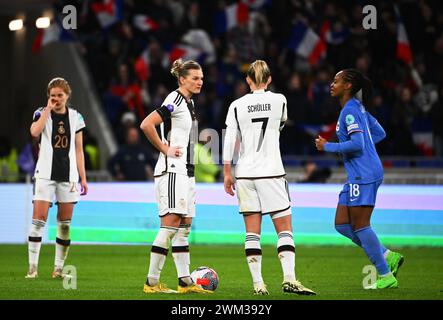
x=181 y=69
x=359 y=82
x=259 y=72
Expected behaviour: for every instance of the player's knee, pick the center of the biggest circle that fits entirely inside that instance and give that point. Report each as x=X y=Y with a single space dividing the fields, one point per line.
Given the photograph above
x=40 y=217
x=63 y=228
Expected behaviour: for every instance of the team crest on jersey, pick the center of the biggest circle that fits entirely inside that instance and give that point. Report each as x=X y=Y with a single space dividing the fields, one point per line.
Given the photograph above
x=350 y=119
x=170 y=107
x=61 y=128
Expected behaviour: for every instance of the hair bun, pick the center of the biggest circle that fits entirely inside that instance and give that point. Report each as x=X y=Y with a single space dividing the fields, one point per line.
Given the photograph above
x=176 y=66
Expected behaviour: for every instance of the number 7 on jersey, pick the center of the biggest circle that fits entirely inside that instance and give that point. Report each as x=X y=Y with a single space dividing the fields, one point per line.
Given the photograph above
x=262 y=131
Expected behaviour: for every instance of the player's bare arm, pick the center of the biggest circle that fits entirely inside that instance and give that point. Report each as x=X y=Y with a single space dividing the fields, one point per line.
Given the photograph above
x=38 y=126
x=228 y=180
x=148 y=127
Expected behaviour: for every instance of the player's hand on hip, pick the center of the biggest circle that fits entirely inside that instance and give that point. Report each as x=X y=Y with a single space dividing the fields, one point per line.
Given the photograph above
x=320 y=143
x=174 y=152
x=84 y=187
x=229 y=185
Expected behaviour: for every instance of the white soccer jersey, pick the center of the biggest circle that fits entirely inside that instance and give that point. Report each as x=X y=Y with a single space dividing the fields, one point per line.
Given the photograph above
x=178 y=129
x=57 y=159
x=258 y=118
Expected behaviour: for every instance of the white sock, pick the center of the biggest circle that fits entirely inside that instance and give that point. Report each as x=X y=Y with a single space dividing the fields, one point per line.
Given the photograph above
x=159 y=251
x=62 y=243
x=35 y=241
x=180 y=253
x=286 y=254
x=254 y=256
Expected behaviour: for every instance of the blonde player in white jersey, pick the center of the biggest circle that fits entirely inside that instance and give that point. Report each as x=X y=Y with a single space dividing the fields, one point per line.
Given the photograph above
x=174 y=177
x=60 y=165
x=258 y=117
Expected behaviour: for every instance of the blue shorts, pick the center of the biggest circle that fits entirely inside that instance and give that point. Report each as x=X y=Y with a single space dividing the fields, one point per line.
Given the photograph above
x=354 y=194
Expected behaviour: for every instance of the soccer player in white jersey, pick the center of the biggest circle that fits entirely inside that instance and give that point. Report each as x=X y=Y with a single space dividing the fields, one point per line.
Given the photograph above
x=60 y=165
x=258 y=118
x=174 y=177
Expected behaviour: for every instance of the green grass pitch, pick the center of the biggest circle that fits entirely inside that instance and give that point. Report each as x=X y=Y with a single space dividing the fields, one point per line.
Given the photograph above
x=118 y=272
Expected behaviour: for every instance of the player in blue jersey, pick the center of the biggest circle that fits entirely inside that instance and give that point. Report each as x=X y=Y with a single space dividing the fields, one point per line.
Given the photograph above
x=358 y=132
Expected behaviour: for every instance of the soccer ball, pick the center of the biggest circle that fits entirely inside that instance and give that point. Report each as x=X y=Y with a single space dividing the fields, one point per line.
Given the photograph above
x=206 y=277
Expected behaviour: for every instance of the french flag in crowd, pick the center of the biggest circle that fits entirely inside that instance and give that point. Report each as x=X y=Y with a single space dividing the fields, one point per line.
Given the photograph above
x=108 y=12
x=141 y=65
x=233 y=15
x=144 y=23
x=325 y=130
x=54 y=33
x=334 y=36
x=307 y=43
x=404 y=52
x=186 y=52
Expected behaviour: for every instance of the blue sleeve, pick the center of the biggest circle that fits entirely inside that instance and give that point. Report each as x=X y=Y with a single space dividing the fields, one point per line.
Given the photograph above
x=353 y=120
x=356 y=143
x=377 y=131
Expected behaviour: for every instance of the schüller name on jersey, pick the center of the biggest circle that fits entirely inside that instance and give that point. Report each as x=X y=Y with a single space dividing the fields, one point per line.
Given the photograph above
x=259 y=107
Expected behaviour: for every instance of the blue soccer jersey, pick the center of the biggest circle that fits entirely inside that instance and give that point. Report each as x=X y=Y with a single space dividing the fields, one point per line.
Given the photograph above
x=362 y=164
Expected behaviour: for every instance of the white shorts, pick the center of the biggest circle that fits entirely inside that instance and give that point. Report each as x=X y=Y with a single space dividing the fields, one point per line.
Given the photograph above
x=50 y=190
x=268 y=196
x=175 y=194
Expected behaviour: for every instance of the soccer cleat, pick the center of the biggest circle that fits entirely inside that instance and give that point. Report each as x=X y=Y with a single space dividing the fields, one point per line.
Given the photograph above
x=32 y=273
x=387 y=282
x=158 y=288
x=260 y=289
x=394 y=261
x=57 y=274
x=297 y=288
x=192 y=288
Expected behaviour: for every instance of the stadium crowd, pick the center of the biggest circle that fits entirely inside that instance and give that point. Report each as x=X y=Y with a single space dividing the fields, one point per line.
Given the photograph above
x=130 y=53
x=410 y=112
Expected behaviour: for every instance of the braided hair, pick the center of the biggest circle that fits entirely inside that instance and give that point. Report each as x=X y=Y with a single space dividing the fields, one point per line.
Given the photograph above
x=359 y=82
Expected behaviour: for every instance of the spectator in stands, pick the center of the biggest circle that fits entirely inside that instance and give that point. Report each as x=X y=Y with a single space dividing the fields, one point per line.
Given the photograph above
x=133 y=161
x=128 y=120
x=401 y=120
x=293 y=139
x=123 y=95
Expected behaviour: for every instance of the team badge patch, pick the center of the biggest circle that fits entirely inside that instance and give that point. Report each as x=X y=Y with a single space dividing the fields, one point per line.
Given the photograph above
x=61 y=128
x=170 y=107
x=350 y=119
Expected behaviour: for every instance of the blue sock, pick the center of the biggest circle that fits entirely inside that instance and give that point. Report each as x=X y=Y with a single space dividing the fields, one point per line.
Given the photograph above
x=372 y=247
x=346 y=230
